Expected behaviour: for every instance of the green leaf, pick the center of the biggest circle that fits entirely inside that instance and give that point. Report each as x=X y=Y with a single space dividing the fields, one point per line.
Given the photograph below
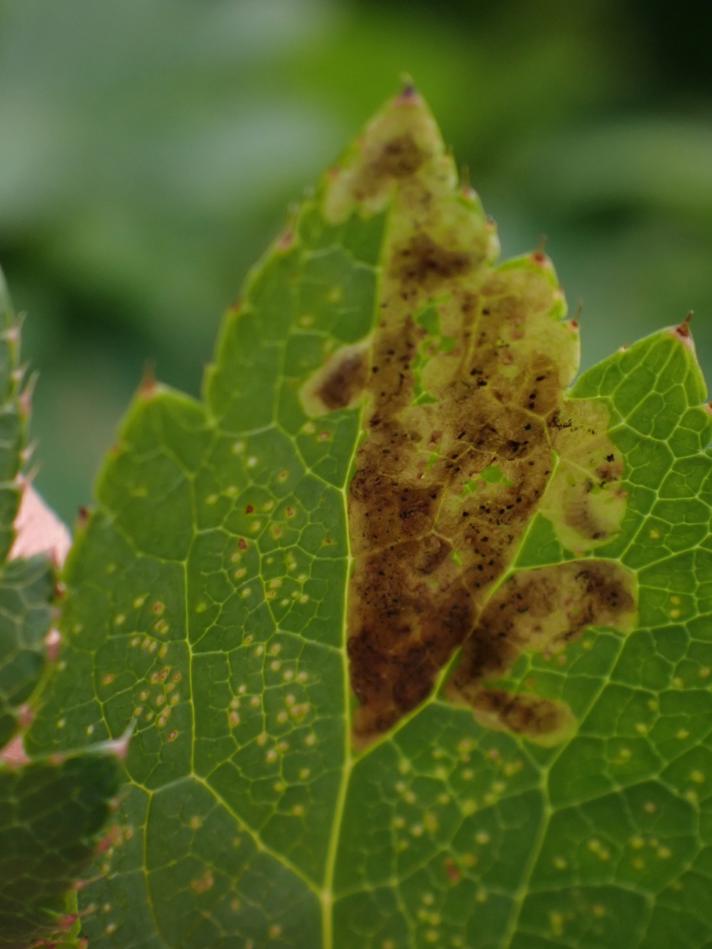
x=414 y=636
x=51 y=816
x=11 y=420
x=25 y=585
x=26 y=588
x=52 y=809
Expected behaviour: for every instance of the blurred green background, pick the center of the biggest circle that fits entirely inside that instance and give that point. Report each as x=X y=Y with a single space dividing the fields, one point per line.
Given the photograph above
x=149 y=148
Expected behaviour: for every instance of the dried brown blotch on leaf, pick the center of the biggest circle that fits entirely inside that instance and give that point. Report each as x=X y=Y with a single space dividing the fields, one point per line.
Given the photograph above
x=542 y=610
x=339 y=383
x=465 y=368
x=522 y=714
x=344 y=381
x=423 y=263
x=399 y=157
x=586 y=501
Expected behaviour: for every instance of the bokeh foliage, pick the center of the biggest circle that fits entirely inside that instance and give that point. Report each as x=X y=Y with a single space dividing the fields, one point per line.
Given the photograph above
x=149 y=149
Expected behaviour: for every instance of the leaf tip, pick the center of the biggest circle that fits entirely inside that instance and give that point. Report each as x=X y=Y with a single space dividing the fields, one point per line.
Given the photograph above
x=24 y=399
x=286 y=240
x=541 y=259
x=119 y=747
x=53 y=644
x=25 y=716
x=409 y=91
x=148 y=386
x=683 y=332
x=13 y=754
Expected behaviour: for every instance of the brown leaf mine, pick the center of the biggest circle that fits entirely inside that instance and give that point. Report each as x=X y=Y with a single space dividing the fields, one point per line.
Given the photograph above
x=536 y=718
x=339 y=383
x=463 y=385
x=585 y=501
x=539 y=610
